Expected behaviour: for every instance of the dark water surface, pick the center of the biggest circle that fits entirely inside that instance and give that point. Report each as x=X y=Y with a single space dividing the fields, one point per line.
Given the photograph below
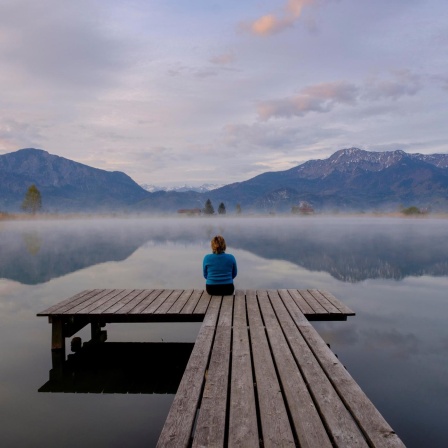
x=392 y=272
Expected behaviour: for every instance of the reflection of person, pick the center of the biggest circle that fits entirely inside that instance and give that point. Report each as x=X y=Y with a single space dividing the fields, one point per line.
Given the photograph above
x=219 y=269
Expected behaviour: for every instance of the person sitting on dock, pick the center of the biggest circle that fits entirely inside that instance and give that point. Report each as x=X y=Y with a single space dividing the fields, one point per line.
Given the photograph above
x=219 y=269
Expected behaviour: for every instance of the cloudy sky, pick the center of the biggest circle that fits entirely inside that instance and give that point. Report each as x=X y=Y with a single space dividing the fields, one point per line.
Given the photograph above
x=205 y=91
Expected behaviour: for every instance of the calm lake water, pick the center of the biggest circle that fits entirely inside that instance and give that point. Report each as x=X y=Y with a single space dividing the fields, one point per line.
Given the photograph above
x=392 y=272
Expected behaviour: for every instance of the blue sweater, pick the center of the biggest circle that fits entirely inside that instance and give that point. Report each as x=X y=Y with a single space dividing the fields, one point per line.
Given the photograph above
x=219 y=269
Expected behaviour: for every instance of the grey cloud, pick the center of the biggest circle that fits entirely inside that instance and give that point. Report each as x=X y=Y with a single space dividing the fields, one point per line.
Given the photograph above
x=182 y=70
x=20 y=134
x=60 y=44
x=264 y=135
x=223 y=59
x=404 y=83
x=322 y=98
x=317 y=98
x=205 y=73
x=259 y=135
x=440 y=80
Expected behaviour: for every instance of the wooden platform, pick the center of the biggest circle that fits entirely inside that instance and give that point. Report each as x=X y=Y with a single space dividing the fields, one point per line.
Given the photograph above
x=259 y=374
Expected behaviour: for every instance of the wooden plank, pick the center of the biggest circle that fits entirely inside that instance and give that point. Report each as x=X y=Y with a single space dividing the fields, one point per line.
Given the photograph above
x=308 y=425
x=71 y=304
x=53 y=308
x=340 y=425
x=202 y=305
x=151 y=308
x=179 y=424
x=121 y=302
x=324 y=302
x=91 y=300
x=211 y=317
x=274 y=418
x=312 y=302
x=297 y=315
x=226 y=314
x=180 y=302
x=100 y=301
x=243 y=427
x=112 y=301
x=192 y=301
x=337 y=303
x=372 y=423
x=299 y=300
x=168 y=303
x=211 y=423
x=142 y=295
x=145 y=302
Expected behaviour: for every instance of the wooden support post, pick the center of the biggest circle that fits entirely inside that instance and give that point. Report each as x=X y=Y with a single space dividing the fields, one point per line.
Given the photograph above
x=57 y=346
x=57 y=334
x=97 y=334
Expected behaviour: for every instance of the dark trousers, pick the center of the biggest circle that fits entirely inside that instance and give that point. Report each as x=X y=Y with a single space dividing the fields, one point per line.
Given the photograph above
x=220 y=290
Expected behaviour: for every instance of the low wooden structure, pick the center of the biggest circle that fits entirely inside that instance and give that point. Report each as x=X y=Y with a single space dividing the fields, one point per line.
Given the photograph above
x=259 y=373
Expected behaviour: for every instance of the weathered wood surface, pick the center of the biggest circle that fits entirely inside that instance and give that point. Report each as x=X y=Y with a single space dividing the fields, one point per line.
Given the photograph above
x=179 y=423
x=243 y=427
x=106 y=303
x=259 y=373
x=270 y=380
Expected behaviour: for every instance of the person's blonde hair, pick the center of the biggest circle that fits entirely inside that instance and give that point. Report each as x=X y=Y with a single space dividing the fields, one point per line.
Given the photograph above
x=218 y=244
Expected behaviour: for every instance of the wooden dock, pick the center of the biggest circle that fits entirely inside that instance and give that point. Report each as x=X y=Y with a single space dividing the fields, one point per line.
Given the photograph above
x=259 y=373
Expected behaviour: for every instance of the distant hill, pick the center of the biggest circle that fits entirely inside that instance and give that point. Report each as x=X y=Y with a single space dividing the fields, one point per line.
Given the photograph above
x=350 y=180
x=65 y=185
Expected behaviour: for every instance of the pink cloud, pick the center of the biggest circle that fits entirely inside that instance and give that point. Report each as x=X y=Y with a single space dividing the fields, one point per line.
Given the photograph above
x=273 y=23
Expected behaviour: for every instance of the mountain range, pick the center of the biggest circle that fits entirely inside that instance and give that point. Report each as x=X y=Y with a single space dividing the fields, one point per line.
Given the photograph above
x=204 y=188
x=350 y=180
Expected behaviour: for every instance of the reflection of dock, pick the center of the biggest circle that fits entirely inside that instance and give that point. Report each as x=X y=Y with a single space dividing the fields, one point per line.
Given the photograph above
x=121 y=367
x=258 y=374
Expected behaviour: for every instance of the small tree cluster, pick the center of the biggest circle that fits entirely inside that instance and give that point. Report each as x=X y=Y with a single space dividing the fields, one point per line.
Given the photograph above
x=222 y=209
x=413 y=211
x=208 y=208
x=32 y=202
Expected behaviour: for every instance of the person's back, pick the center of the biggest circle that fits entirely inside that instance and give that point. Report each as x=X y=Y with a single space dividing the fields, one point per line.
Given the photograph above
x=219 y=269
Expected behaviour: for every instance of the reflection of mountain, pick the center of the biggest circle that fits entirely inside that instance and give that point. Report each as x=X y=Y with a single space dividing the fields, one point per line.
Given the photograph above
x=353 y=254
x=350 y=250
x=61 y=251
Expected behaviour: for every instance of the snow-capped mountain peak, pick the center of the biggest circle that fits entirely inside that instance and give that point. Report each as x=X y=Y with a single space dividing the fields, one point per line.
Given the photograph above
x=181 y=189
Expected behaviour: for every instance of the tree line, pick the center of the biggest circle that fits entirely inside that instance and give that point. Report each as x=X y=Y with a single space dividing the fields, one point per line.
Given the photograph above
x=210 y=210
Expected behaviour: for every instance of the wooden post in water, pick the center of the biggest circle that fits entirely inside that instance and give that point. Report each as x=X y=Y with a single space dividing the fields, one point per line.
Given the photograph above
x=57 y=334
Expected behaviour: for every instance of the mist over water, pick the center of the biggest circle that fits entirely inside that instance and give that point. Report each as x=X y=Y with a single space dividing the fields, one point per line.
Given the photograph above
x=392 y=272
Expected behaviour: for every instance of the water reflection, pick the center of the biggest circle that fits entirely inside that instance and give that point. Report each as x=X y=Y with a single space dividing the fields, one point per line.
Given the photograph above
x=350 y=250
x=395 y=347
x=121 y=367
x=33 y=242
